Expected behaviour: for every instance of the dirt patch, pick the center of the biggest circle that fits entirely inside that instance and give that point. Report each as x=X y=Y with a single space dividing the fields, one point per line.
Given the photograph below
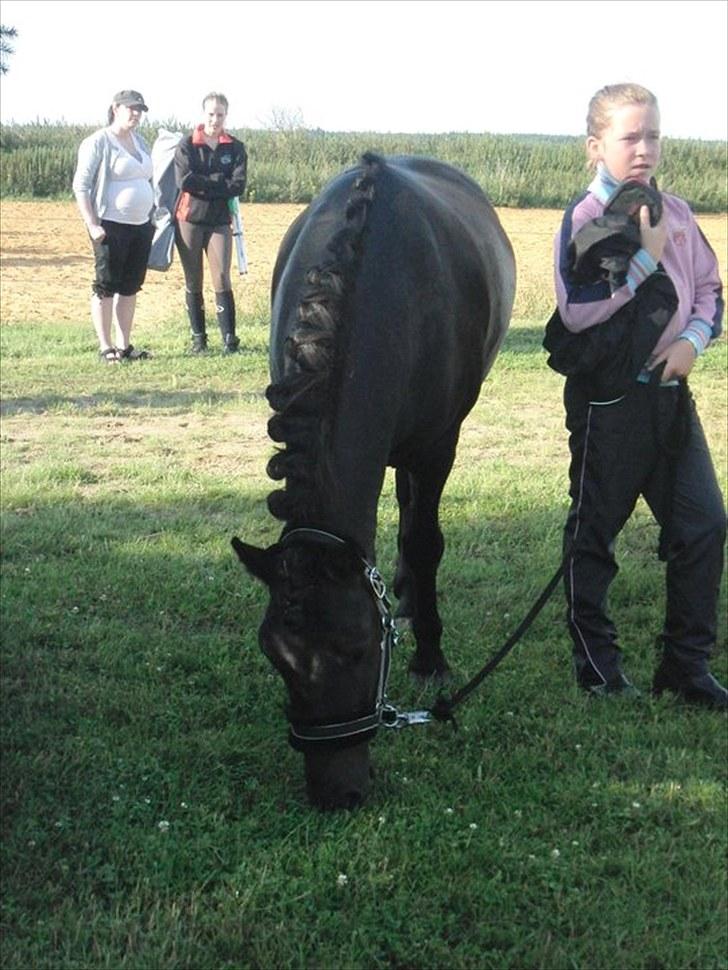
x=46 y=264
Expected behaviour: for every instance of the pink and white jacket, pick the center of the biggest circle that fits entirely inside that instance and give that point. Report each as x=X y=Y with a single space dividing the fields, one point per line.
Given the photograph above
x=687 y=259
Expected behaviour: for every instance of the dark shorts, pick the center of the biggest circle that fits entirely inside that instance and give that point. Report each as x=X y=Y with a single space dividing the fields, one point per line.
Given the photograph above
x=121 y=258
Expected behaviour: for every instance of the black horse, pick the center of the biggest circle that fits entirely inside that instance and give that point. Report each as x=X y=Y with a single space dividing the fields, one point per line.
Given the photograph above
x=391 y=295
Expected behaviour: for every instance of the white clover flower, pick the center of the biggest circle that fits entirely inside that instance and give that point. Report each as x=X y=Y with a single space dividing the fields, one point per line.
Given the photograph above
x=473 y=826
x=342 y=879
x=636 y=805
x=163 y=826
x=555 y=854
x=449 y=811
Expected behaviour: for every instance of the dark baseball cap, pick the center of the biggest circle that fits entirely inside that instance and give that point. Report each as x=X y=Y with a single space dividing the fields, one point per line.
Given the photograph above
x=132 y=99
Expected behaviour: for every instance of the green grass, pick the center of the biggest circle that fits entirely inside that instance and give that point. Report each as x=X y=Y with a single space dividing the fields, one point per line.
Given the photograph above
x=546 y=832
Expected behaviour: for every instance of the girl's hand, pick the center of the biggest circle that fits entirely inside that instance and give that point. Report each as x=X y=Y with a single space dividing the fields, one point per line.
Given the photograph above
x=679 y=358
x=97 y=233
x=653 y=237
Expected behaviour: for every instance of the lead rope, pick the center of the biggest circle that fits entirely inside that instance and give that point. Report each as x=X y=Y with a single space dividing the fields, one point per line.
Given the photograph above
x=442 y=709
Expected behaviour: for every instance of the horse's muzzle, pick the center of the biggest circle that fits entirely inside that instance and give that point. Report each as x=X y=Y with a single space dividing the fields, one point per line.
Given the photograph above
x=338 y=779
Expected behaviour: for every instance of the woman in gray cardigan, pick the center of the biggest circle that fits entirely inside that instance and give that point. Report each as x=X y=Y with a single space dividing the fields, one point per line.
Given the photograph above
x=113 y=190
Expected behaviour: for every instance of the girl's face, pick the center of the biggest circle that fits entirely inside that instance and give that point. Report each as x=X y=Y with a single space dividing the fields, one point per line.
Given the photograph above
x=215 y=115
x=630 y=145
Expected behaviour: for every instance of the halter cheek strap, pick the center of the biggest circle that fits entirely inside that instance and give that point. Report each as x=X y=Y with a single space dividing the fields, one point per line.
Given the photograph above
x=344 y=734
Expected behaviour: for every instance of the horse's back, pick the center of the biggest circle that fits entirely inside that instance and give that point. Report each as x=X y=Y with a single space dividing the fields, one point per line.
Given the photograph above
x=430 y=228
x=429 y=294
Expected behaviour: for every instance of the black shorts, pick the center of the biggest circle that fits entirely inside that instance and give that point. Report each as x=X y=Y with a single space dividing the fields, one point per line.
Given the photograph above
x=121 y=258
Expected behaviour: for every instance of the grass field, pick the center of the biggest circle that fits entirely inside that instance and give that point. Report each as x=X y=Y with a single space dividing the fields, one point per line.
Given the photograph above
x=153 y=815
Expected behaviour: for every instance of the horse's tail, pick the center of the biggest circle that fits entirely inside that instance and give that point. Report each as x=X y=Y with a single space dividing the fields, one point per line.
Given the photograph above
x=302 y=398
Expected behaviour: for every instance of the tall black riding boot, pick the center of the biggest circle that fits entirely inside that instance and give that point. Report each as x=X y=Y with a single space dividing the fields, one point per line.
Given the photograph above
x=225 y=306
x=196 y=313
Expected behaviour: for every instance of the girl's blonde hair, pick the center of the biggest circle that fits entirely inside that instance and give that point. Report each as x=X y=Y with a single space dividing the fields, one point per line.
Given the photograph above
x=610 y=97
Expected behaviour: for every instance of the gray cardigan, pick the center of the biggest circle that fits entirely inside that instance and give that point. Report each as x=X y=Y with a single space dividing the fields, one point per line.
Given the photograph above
x=96 y=155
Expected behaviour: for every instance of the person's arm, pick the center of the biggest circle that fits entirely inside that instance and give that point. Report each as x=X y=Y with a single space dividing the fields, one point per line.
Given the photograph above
x=239 y=177
x=214 y=186
x=90 y=156
x=185 y=176
x=706 y=315
x=585 y=305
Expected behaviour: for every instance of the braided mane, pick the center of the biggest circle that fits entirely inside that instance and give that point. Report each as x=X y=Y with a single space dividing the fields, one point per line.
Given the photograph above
x=303 y=399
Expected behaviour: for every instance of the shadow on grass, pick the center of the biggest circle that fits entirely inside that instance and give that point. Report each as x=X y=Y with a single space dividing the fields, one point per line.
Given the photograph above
x=132 y=400
x=524 y=340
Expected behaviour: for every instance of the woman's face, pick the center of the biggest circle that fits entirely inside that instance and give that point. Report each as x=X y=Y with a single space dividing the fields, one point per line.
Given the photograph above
x=127 y=117
x=215 y=115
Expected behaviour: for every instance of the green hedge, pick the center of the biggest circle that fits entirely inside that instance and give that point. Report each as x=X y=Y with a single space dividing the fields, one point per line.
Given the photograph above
x=524 y=171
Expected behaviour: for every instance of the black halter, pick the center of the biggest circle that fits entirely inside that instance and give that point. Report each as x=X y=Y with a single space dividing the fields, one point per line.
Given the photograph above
x=344 y=734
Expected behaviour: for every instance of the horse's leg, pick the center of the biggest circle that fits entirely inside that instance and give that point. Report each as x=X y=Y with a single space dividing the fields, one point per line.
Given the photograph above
x=404 y=588
x=421 y=546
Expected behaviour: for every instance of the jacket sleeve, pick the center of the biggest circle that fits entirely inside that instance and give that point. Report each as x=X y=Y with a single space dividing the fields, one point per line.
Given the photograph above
x=215 y=186
x=585 y=305
x=707 y=309
x=90 y=154
x=239 y=179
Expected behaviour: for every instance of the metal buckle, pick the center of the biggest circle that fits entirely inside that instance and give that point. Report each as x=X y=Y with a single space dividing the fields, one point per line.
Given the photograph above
x=392 y=718
x=376 y=582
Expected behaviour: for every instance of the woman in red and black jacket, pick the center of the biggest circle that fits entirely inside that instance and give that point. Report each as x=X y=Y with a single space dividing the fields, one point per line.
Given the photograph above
x=210 y=168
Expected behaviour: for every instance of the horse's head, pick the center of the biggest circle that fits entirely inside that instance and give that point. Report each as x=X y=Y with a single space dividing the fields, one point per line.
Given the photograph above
x=325 y=631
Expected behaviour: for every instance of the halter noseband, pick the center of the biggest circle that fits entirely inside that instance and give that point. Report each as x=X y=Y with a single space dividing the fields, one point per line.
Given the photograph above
x=344 y=734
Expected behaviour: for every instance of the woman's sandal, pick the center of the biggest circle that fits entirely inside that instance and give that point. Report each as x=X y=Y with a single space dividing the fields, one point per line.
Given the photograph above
x=129 y=353
x=110 y=355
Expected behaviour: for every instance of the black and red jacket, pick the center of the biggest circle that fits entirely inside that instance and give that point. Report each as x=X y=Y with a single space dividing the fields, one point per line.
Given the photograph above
x=207 y=179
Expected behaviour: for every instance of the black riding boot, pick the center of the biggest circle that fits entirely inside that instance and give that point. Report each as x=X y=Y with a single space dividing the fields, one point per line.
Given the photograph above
x=196 y=313
x=225 y=306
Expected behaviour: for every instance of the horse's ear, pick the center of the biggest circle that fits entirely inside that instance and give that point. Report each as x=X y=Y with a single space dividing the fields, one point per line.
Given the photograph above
x=258 y=562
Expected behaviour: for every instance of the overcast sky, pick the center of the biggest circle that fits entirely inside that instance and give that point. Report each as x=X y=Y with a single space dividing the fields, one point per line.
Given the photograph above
x=370 y=65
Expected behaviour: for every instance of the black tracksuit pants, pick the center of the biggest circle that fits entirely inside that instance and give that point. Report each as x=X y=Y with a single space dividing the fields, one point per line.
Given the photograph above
x=651 y=443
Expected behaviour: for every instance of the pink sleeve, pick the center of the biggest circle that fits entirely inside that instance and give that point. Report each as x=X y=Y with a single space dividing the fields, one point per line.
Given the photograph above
x=708 y=300
x=584 y=306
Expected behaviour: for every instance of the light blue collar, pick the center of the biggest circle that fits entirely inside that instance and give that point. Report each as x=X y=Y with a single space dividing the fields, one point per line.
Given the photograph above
x=603 y=183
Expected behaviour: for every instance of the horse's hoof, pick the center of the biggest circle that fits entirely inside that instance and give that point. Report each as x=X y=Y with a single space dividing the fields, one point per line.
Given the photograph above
x=440 y=676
